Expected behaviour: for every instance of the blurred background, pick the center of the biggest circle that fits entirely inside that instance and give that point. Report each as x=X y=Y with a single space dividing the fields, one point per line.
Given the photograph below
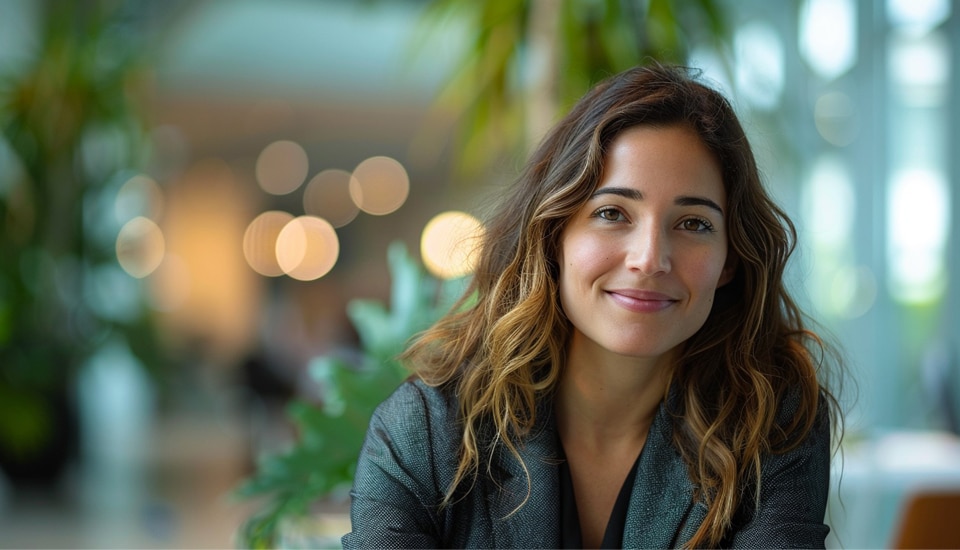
x=217 y=218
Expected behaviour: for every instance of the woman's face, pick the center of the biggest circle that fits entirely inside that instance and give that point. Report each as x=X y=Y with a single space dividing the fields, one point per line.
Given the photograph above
x=642 y=259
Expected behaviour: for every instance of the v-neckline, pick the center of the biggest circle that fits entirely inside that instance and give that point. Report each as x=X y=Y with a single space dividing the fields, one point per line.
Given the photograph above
x=571 y=535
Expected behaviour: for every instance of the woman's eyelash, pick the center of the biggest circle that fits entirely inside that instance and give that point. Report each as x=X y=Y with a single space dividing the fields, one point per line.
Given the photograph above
x=705 y=225
x=608 y=213
x=612 y=214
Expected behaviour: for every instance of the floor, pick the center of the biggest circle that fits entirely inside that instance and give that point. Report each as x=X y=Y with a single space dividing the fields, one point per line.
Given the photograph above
x=177 y=493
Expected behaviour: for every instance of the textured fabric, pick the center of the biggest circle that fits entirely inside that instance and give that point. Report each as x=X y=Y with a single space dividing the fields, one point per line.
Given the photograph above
x=410 y=456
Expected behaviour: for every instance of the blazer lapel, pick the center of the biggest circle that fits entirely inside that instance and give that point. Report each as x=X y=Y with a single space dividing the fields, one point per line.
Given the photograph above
x=661 y=513
x=536 y=524
x=661 y=509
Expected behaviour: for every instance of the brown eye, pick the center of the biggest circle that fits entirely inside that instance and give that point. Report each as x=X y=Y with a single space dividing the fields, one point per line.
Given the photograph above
x=609 y=214
x=696 y=225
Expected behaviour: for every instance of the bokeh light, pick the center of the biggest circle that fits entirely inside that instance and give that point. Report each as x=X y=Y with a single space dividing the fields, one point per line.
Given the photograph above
x=260 y=242
x=920 y=69
x=307 y=248
x=852 y=292
x=140 y=247
x=834 y=115
x=170 y=284
x=918 y=220
x=139 y=196
x=111 y=293
x=917 y=17
x=760 y=66
x=449 y=243
x=828 y=36
x=380 y=185
x=282 y=167
x=829 y=201
x=327 y=196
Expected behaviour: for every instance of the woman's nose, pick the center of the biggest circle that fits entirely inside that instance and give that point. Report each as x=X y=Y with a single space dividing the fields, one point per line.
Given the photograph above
x=648 y=251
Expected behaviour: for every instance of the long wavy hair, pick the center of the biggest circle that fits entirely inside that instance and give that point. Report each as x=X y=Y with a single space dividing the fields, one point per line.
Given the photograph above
x=502 y=348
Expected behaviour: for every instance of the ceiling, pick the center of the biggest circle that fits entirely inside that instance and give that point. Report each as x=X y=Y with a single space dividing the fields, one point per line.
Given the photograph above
x=347 y=51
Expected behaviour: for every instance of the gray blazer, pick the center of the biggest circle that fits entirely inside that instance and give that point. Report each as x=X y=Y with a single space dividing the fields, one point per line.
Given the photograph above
x=410 y=456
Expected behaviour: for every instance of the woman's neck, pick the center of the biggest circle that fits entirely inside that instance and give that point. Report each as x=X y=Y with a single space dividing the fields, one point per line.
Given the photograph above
x=609 y=400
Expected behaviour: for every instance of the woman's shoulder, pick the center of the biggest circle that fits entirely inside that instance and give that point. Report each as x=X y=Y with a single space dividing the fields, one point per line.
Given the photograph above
x=407 y=462
x=794 y=402
x=420 y=411
x=416 y=395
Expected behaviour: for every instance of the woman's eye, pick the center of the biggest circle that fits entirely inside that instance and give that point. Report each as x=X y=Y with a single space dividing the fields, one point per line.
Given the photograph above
x=696 y=225
x=609 y=214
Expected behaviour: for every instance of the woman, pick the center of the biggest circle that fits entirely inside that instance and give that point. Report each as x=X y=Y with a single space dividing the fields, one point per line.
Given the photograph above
x=627 y=368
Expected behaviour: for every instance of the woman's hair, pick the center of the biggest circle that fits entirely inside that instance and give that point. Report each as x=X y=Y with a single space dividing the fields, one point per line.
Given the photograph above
x=502 y=348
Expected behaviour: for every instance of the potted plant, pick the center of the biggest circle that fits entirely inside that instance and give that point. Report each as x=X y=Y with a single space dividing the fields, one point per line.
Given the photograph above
x=330 y=431
x=69 y=126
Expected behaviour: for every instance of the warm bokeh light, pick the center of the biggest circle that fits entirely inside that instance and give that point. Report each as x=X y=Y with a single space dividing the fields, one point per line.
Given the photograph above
x=449 y=243
x=380 y=185
x=140 y=247
x=282 y=167
x=171 y=284
x=260 y=242
x=139 y=196
x=307 y=248
x=214 y=308
x=327 y=196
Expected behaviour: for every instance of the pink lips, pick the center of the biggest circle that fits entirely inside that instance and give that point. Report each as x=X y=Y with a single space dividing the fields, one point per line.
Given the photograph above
x=641 y=301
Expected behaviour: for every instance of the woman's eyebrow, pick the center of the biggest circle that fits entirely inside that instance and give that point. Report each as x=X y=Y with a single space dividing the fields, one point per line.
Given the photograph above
x=631 y=193
x=625 y=192
x=698 y=201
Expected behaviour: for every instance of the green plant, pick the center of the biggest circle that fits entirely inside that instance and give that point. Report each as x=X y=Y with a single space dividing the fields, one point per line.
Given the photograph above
x=331 y=432
x=70 y=127
x=527 y=61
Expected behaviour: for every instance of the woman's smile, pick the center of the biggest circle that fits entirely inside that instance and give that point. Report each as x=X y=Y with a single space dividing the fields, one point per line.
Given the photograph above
x=642 y=259
x=641 y=301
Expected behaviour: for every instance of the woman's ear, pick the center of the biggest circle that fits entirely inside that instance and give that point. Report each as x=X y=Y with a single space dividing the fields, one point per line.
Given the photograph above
x=729 y=270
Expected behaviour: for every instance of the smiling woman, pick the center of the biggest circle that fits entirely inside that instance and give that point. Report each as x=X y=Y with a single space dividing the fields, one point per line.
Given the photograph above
x=645 y=254
x=627 y=368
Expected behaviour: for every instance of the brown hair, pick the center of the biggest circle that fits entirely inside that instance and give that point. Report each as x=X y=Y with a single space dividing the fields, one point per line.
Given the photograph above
x=503 y=347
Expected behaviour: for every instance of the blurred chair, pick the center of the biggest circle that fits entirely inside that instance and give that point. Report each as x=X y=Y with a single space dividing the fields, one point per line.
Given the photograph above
x=930 y=519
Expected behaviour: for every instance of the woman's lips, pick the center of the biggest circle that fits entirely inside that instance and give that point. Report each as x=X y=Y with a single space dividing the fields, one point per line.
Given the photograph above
x=641 y=301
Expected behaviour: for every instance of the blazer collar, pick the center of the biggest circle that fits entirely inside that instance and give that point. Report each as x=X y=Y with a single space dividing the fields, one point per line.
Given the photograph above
x=661 y=513
x=536 y=523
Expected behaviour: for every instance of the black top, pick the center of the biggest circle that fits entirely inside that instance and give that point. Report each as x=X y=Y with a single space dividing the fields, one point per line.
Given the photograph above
x=570 y=535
